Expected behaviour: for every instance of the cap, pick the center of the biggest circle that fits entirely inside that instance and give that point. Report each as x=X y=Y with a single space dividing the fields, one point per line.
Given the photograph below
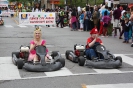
x=94 y=31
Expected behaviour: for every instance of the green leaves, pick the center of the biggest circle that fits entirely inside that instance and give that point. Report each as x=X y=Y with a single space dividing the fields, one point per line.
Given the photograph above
x=81 y=3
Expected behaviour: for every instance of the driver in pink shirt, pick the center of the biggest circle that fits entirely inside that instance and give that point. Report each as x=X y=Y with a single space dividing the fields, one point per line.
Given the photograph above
x=35 y=42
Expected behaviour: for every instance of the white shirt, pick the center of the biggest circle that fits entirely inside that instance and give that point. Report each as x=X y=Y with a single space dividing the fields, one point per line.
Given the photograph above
x=36 y=10
x=79 y=9
x=122 y=12
x=109 y=3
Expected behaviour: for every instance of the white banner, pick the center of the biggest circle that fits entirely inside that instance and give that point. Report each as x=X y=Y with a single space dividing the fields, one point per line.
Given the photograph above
x=5 y=13
x=37 y=18
x=3 y=5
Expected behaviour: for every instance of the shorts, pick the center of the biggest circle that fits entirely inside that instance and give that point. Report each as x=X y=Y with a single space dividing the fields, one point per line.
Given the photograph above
x=116 y=23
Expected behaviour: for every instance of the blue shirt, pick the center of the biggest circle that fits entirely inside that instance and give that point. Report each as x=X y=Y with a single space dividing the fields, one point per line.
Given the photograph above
x=81 y=16
x=108 y=13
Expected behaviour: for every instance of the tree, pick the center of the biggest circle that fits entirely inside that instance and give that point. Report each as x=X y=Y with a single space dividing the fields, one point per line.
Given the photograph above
x=81 y=3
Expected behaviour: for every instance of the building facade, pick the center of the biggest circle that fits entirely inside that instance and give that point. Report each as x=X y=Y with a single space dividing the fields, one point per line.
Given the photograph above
x=50 y=3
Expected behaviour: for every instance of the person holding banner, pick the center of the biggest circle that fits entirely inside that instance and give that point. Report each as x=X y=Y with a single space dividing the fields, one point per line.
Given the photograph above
x=37 y=8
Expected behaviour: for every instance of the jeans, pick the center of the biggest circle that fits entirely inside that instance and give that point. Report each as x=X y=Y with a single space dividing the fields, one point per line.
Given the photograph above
x=126 y=36
x=90 y=53
x=87 y=25
x=74 y=25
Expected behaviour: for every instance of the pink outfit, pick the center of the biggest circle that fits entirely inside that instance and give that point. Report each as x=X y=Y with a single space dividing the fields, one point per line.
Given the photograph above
x=33 y=52
x=73 y=19
x=106 y=19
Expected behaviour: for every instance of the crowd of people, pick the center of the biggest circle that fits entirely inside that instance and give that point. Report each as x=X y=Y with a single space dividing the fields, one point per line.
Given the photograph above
x=107 y=20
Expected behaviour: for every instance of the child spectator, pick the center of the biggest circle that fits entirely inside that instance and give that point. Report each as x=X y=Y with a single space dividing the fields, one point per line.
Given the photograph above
x=81 y=20
x=126 y=31
x=106 y=21
x=65 y=20
x=123 y=23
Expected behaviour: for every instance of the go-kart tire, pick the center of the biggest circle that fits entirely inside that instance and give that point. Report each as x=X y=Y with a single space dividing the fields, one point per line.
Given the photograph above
x=67 y=53
x=62 y=60
x=20 y=63
x=13 y=59
x=119 y=58
x=81 y=61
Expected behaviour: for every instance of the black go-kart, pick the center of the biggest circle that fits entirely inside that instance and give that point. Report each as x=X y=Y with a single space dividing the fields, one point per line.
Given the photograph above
x=20 y=59
x=108 y=60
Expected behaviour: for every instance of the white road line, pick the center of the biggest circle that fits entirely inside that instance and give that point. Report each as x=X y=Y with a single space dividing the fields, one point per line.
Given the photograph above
x=22 y=26
x=126 y=59
x=62 y=72
x=79 y=74
x=107 y=70
x=8 y=25
x=121 y=85
x=8 y=70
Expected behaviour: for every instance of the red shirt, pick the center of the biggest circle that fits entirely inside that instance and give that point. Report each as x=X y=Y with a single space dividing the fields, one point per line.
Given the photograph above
x=89 y=40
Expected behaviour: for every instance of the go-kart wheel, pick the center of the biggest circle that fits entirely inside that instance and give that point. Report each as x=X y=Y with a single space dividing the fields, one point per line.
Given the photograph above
x=67 y=53
x=13 y=58
x=119 y=58
x=81 y=61
x=62 y=60
x=54 y=53
x=20 y=63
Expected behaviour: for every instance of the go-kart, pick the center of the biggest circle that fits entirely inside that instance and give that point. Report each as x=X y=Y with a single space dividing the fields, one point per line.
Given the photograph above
x=20 y=59
x=103 y=60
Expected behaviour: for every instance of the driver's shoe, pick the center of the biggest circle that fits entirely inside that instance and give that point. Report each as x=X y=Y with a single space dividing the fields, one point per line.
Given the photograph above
x=36 y=62
x=95 y=58
x=86 y=61
x=49 y=60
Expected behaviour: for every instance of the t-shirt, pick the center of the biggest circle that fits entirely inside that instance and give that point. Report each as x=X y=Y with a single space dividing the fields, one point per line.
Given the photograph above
x=34 y=51
x=103 y=11
x=109 y=3
x=89 y=40
x=36 y=10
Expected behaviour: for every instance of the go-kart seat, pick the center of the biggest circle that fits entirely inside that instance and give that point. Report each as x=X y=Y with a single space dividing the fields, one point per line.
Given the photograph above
x=100 y=49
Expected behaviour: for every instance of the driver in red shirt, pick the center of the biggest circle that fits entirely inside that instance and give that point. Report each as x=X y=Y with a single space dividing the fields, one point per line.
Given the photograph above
x=91 y=42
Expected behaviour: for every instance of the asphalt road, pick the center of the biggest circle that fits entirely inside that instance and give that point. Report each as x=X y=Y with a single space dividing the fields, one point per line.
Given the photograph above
x=13 y=35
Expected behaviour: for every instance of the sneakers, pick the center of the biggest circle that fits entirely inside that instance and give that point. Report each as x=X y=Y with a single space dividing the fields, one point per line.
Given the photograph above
x=35 y=62
x=120 y=37
x=86 y=61
x=124 y=41
x=127 y=41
